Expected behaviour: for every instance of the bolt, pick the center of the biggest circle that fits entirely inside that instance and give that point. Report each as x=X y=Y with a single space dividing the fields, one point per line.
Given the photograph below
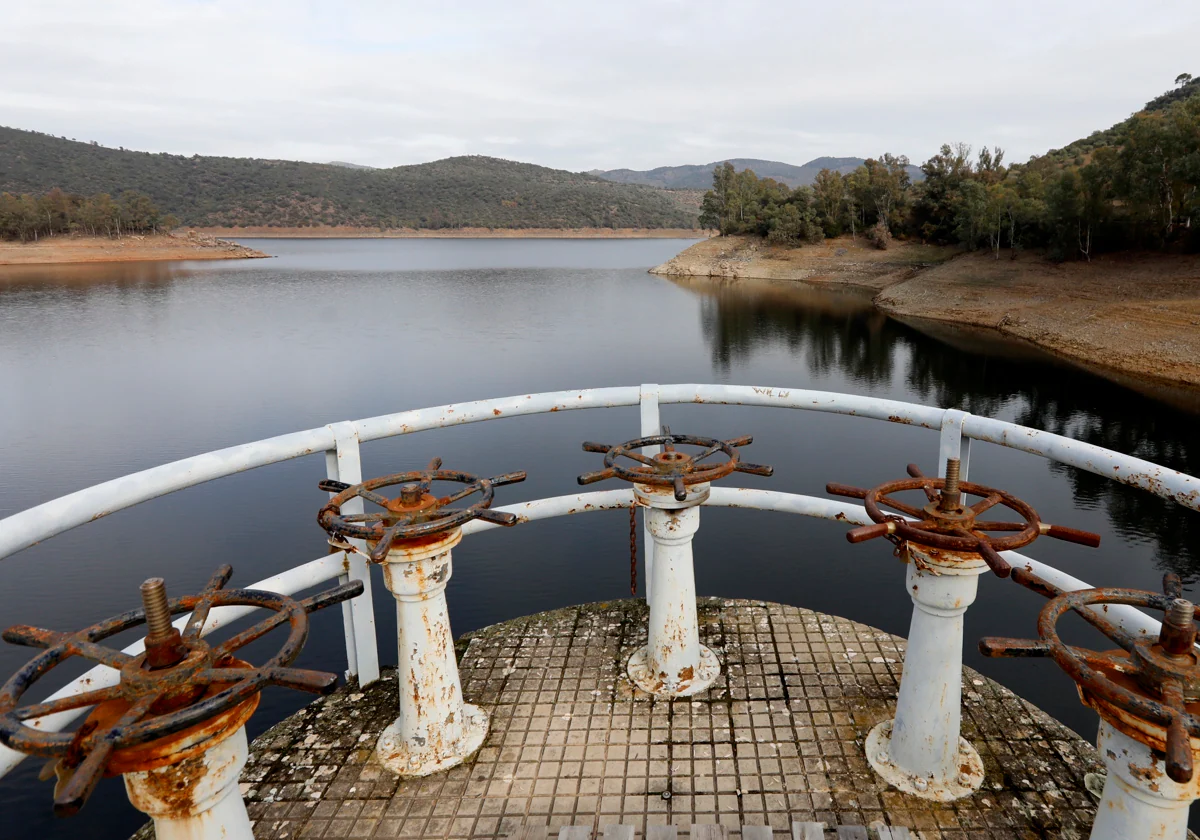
x=1179 y=630
x=964 y=779
x=158 y=612
x=884 y=758
x=950 y=496
x=921 y=784
x=1180 y=612
x=666 y=794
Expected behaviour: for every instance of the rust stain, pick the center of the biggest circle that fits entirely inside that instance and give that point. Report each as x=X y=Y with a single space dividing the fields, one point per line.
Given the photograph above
x=174 y=787
x=496 y=411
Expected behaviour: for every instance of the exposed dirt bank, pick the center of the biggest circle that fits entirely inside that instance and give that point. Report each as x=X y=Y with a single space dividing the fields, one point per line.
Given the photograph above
x=1121 y=315
x=90 y=249
x=456 y=233
x=842 y=262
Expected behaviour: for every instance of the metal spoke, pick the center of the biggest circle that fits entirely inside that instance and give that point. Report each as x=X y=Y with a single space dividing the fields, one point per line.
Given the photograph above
x=454 y=497
x=716 y=447
x=365 y=517
x=1119 y=664
x=382 y=501
x=247 y=636
x=902 y=507
x=434 y=465
x=667 y=445
x=99 y=653
x=200 y=612
x=63 y=704
x=223 y=675
x=930 y=493
x=986 y=504
x=992 y=525
x=640 y=458
x=1123 y=638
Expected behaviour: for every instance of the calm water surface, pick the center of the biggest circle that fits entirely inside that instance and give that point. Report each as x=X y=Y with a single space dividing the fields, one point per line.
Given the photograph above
x=105 y=370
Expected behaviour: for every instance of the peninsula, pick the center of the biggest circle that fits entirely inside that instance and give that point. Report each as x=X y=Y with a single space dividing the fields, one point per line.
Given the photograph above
x=1091 y=252
x=80 y=248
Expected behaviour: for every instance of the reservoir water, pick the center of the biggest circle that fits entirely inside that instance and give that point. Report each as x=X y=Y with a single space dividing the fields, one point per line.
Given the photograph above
x=109 y=369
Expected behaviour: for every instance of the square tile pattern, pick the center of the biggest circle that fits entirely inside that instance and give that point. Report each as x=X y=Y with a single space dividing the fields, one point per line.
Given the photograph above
x=572 y=743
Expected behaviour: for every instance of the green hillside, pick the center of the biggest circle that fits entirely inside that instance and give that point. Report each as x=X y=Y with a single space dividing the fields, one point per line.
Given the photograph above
x=226 y=192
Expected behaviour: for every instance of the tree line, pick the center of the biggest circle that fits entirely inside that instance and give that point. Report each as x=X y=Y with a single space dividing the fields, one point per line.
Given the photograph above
x=1136 y=185
x=468 y=191
x=30 y=217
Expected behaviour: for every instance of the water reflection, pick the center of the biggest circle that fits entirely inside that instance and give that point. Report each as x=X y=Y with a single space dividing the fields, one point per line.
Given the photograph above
x=985 y=375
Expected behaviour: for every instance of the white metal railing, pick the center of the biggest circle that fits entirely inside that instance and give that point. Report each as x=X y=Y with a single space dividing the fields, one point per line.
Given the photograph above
x=340 y=442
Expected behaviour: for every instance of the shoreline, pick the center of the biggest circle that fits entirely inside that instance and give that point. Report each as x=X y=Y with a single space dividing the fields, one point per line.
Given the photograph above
x=449 y=233
x=75 y=249
x=1131 y=318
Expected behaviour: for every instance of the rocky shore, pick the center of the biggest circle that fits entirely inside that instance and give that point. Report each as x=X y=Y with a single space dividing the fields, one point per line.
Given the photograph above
x=1122 y=315
x=93 y=249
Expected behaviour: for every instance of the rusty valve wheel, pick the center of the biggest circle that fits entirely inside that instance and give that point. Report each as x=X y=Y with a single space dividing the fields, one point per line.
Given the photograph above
x=179 y=682
x=415 y=512
x=672 y=468
x=1148 y=679
x=947 y=522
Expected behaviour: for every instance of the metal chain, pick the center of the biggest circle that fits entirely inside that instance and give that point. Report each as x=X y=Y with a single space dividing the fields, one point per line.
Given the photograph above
x=633 y=549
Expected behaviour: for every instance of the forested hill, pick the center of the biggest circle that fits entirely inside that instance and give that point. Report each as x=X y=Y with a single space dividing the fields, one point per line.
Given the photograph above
x=700 y=176
x=227 y=192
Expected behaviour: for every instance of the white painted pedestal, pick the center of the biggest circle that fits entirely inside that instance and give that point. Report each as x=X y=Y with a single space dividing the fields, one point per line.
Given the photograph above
x=197 y=798
x=1140 y=801
x=920 y=751
x=436 y=730
x=673 y=663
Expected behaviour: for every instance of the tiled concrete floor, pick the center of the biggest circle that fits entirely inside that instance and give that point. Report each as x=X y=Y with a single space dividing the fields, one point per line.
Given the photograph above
x=778 y=738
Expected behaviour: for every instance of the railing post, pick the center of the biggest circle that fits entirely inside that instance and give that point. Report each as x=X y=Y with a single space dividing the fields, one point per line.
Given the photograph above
x=651 y=425
x=953 y=443
x=358 y=614
x=331 y=471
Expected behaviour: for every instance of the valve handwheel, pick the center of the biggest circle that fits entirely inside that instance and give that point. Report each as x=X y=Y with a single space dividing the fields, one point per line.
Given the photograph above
x=947 y=522
x=179 y=682
x=1147 y=679
x=670 y=467
x=415 y=512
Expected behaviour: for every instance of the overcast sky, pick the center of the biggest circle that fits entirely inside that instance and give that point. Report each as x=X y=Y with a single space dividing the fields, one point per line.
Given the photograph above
x=581 y=85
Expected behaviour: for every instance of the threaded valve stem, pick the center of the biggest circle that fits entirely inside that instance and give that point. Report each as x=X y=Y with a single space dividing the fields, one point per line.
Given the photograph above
x=158 y=612
x=950 y=497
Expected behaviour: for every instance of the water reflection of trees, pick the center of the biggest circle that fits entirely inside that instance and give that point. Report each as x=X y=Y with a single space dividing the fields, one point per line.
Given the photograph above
x=984 y=376
x=848 y=336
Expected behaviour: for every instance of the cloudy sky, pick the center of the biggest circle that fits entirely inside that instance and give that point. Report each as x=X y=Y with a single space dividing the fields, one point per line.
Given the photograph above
x=581 y=85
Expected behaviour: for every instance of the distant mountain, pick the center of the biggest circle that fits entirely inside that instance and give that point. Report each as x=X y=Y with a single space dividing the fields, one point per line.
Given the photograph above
x=456 y=192
x=350 y=165
x=699 y=176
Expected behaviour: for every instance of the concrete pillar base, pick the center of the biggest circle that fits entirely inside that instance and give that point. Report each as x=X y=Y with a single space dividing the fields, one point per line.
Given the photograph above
x=690 y=680
x=409 y=758
x=968 y=779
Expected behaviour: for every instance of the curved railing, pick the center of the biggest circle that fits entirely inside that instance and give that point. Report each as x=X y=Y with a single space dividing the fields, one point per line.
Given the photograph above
x=340 y=443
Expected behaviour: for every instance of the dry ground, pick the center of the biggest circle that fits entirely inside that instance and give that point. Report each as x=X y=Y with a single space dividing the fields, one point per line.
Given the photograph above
x=90 y=249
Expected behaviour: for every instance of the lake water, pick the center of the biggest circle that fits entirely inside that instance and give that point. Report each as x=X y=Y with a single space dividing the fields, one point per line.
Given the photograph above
x=105 y=370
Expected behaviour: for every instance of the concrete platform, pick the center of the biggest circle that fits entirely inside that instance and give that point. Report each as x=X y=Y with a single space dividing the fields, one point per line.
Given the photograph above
x=777 y=739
